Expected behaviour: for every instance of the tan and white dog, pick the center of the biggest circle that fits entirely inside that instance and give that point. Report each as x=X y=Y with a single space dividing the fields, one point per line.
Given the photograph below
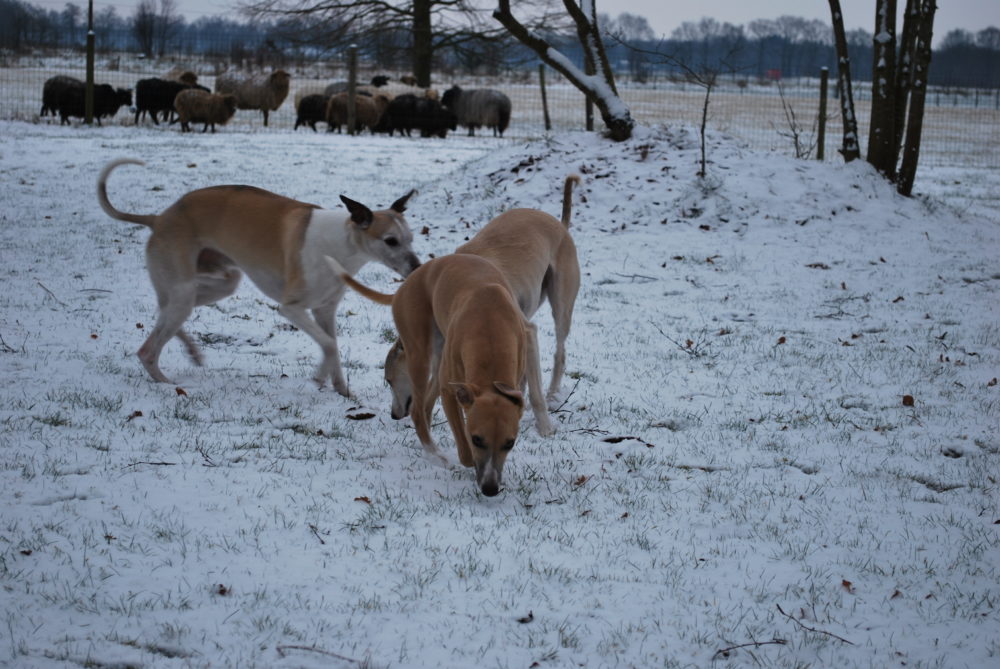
x=202 y=244
x=464 y=332
x=536 y=254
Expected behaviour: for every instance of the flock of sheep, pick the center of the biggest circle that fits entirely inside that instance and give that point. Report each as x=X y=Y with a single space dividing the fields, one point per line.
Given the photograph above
x=380 y=106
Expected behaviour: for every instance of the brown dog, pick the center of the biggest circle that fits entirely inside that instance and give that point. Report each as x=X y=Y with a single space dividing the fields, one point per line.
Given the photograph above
x=536 y=254
x=458 y=321
x=200 y=244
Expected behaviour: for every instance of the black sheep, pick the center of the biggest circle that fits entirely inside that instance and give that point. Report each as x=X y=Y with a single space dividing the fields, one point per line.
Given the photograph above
x=155 y=95
x=312 y=108
x=408 y=112
x=66 y=96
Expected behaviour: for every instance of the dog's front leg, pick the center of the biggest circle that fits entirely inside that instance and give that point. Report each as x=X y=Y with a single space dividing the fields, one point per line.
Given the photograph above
x=325 y=317
x=456 y=420
x=330 y=365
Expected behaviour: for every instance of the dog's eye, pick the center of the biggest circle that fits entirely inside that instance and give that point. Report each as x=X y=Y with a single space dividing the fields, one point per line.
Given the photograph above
x=509 y=445
x=478 y=442
x=391 y=241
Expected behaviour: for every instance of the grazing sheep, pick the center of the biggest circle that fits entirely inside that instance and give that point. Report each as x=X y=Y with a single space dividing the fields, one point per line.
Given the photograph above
x=408 y=79
x=409 y=112
x=67 y=96
x=53 y=90
x=341 y=87
x=379 y=80
x=479 y=107
x=178 y=73
x=154 y=96
x=263 y=92
x=310 y=110
x=367 y=111
x=197 y=106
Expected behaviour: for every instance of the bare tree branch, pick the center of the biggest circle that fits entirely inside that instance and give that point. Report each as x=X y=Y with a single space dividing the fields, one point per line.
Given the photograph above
x=598 y=88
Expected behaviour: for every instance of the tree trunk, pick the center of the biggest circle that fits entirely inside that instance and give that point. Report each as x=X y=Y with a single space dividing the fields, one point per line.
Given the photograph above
x=914 y=127
x=904 y=72
x=850 y=150
x=423 y=42
x=600 y=87
x=882 y=133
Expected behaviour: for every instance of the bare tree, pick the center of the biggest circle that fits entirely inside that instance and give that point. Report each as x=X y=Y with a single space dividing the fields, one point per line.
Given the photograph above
x=168 y=24
x=432 y=26
x=144 y=26
x=597 y=81
x=898 y=87
x=882 y=124
x=851 y=150
x=915 y=122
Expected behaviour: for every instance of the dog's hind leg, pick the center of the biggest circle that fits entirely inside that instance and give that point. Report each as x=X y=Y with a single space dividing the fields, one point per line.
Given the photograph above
x=533 y=372
x=213 y=286
x=562 y=289
x=192 y=349
x=175 y=307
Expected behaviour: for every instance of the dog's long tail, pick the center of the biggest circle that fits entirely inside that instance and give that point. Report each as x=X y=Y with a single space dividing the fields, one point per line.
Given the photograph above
x=571 y=181
x=102 y=195
x=373 y=295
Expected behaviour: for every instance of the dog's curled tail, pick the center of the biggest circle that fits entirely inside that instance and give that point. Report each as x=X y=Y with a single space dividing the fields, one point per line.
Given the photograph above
x=571 y=181
x=373 y=295
x=102 y=195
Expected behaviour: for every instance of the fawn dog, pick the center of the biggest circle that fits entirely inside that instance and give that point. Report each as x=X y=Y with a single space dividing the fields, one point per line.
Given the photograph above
x=537 y=256
x=465 y=337
x=202 y=244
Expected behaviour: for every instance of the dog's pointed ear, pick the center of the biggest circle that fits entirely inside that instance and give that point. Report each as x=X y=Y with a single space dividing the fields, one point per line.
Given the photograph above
x=399 y=205
x=360 y=214
x=465 y=393
x=514 y=395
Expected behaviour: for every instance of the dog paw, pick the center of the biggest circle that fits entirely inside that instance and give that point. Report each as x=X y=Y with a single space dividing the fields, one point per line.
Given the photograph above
x=546 y=429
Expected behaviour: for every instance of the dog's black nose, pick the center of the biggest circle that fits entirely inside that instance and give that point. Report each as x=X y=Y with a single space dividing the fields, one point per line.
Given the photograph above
x=491 y=489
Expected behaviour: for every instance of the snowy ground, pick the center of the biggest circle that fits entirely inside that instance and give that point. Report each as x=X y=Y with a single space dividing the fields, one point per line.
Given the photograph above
x=738 y=459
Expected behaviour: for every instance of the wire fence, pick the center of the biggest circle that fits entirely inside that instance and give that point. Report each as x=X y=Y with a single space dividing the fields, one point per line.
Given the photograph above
x=961 y=125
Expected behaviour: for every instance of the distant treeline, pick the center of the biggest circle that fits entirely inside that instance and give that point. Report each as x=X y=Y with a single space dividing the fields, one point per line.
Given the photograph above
x=795 y=47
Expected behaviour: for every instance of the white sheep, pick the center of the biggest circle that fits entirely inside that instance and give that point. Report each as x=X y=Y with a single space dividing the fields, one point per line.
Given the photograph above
x=263 y=92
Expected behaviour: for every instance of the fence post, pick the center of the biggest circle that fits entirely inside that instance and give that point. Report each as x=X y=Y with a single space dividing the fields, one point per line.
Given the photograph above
x=824 y=79
x=545 y=99
x=352 y=84
x=88 y=92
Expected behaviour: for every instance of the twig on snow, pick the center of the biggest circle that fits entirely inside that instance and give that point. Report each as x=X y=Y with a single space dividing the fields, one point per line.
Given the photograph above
x=724 y=652
x=812 y=629
x=313 y=649
x=51 y=294
x=315 y=530
x=6 y=348
x=573 y=390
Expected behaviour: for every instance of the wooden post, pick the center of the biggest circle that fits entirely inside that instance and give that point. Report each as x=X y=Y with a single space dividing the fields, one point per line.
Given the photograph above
x=88 y=91
x=824 y=79
x=352 y=85
x=545 y=99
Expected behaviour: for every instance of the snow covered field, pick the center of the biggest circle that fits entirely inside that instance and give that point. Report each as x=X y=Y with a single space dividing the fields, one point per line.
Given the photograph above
x=778 y=446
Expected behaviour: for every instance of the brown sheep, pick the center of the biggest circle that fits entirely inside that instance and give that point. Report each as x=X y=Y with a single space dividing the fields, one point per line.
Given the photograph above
x=178 y=73
x=197 y=106
x=367 y=111
x=263 y=92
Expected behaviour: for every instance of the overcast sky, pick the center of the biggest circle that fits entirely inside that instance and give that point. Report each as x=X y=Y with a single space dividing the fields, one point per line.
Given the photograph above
x=665 y=15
